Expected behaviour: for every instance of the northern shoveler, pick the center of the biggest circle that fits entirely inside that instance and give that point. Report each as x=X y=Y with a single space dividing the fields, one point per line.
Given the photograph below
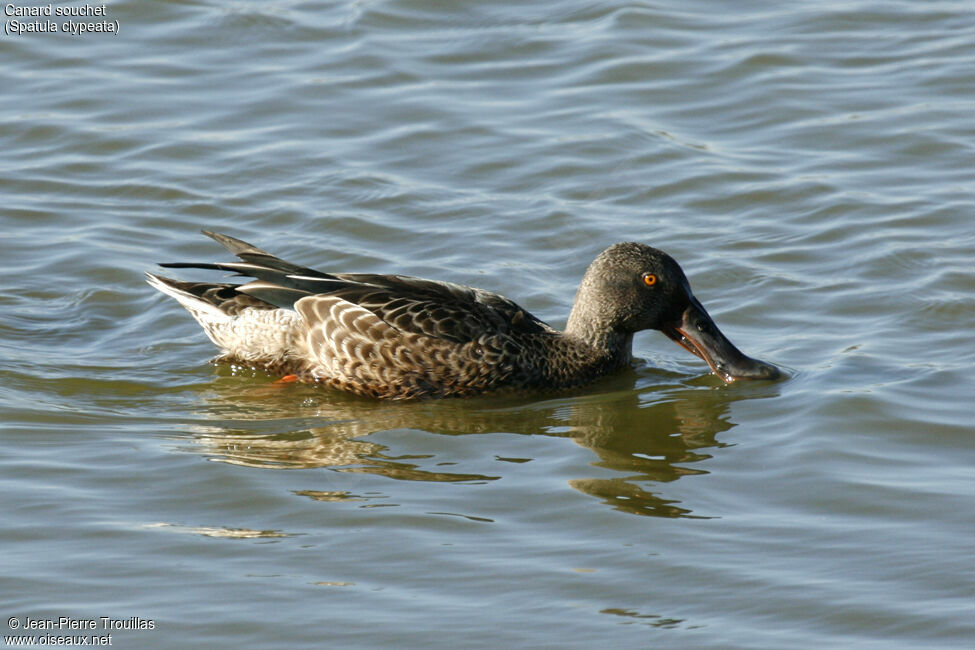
x=398 y=337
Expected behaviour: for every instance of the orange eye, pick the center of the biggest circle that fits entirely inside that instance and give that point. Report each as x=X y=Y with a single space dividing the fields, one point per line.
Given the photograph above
x=649 y=279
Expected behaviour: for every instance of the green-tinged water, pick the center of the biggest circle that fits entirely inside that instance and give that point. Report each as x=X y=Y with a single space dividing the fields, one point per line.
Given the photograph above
x=810 y=166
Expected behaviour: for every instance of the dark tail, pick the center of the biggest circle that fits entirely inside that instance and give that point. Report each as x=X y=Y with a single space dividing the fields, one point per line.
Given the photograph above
x=279 y=283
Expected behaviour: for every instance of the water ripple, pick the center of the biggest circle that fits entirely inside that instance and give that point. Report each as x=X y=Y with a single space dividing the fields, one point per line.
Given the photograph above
x=809 y=166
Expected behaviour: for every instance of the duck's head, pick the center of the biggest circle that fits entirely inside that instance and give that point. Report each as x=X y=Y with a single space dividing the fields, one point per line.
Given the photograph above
x=632 y=287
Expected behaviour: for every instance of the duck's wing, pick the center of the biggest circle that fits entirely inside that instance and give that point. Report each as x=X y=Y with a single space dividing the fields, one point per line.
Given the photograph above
x=441 y=310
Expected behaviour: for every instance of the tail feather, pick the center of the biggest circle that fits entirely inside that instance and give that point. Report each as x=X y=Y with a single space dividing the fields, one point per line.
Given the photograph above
x=260 y=264
x=246 y=328
x=259 y=258
x=192 y=301
x=213 y=301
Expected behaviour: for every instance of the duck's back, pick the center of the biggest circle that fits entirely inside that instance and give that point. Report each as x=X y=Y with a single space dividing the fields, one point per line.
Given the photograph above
x=378 y=335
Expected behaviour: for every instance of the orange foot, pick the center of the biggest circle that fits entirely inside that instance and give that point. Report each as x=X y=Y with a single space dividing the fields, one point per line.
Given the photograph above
x=287 y=379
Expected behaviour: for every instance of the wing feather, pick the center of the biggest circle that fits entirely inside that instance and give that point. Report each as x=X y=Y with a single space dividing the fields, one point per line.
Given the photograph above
x=440 y=310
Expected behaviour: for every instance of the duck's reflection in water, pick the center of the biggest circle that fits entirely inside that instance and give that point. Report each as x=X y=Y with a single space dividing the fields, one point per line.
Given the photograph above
x=649 y=435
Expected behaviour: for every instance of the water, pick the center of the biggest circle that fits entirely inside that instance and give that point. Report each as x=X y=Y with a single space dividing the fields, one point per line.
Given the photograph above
x=809 y=166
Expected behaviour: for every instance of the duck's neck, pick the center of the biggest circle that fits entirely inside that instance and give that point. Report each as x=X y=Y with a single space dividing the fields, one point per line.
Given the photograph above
x=610 y=346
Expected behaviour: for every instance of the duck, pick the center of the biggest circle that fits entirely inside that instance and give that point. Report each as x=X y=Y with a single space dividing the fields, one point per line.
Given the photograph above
x=400 y=337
